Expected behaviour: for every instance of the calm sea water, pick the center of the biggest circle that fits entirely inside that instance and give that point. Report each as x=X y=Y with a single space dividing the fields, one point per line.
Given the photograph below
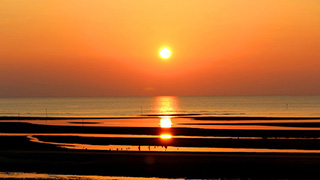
x=132 y=106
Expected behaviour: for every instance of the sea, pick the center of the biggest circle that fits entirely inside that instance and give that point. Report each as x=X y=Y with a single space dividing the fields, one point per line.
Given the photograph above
x=265 y=106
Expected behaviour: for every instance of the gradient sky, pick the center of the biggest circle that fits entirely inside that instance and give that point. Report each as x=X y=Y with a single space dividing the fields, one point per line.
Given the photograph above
x=111 y=48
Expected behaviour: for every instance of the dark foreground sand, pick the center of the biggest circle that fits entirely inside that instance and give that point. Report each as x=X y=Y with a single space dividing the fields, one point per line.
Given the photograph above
x=20 y=155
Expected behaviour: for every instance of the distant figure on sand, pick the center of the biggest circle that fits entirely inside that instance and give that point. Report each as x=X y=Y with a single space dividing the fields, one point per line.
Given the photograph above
x=139 y=148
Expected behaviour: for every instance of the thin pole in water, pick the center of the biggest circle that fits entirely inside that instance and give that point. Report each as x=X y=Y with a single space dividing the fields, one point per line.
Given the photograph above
x=46 y=116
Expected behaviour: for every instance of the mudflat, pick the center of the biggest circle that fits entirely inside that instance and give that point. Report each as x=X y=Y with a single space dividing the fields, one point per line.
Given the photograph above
x=19 y=154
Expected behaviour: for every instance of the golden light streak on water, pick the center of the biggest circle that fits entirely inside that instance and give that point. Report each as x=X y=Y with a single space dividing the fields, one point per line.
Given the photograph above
x=165 y=122
x=166 y=104
x=165 y=136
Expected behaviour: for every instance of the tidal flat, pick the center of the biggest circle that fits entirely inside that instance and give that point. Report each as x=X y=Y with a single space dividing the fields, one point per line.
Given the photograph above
x=60 y=146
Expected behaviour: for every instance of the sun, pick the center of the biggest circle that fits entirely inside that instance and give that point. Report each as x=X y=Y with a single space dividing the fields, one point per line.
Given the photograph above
x=165 y=53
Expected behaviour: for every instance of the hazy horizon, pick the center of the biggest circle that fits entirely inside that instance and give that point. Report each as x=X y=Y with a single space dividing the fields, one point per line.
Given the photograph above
x=124 y=96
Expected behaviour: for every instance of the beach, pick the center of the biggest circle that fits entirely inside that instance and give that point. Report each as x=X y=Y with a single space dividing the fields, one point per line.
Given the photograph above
x=169 y=165
x=90 y=149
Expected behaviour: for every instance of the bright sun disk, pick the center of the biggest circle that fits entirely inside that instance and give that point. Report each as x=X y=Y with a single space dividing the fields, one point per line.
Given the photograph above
x=165 y=53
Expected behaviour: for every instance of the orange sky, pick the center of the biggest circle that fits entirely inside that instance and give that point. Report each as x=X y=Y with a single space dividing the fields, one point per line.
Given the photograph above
x=111 y=48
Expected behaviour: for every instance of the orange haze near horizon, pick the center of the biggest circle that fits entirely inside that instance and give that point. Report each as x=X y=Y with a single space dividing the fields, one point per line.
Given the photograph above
x=111 y=48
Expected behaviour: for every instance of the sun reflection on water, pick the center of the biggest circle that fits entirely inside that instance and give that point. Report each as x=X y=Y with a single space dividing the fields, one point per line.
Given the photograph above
x=165 y=136
x=166 y=105
x=165 y=122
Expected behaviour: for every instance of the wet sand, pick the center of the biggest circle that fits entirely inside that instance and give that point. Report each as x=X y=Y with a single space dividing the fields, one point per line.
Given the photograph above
x=16 y=127
x=291 y=124
x=18 y=154
x=303 y=144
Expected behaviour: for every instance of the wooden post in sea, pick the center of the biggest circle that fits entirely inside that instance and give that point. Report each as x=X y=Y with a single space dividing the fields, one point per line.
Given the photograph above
x=46 y=116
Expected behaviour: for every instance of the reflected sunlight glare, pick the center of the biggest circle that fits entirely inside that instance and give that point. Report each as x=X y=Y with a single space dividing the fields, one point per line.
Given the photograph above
x=165 y=136
x=165 y=122
x=166 y=104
